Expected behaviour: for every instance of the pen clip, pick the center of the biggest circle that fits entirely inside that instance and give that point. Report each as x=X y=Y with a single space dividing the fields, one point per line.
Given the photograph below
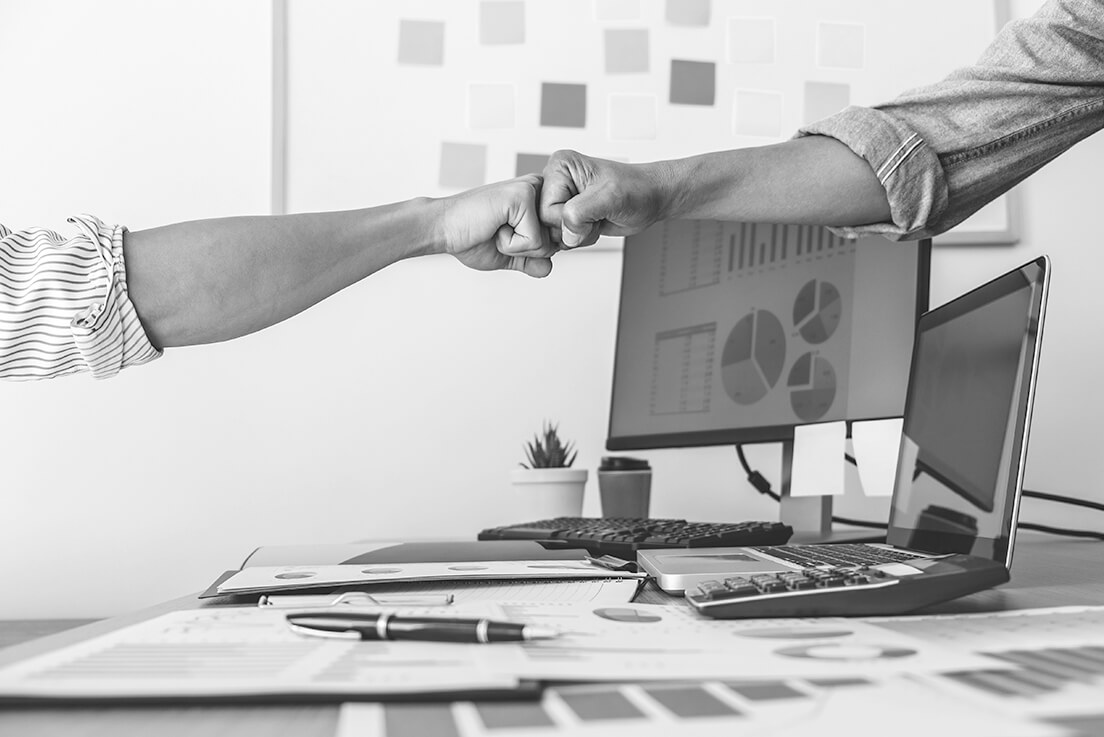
x=363 y=598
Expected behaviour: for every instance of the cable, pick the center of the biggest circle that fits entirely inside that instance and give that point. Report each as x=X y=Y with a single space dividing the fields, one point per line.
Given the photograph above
x=1063 y=499
x=755 y=478
x=1061 y=531
x=1064 y=531
x=860 y=523
x=763 y=486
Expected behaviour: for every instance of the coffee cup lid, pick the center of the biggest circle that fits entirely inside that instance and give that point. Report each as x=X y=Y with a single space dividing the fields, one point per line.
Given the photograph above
x=623 y=463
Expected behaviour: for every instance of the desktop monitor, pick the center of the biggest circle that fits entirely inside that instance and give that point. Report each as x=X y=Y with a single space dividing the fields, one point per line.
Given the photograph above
x=738 y=332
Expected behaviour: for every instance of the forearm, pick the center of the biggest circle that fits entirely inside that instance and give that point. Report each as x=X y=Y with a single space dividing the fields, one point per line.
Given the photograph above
x=212 y=280
x=944 y=150
x=808 y=180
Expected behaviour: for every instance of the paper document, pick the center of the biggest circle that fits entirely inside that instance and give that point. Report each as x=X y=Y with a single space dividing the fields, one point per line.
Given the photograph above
x=227 y=652
x=427 y=551
x=250 y=651
x=648 y=642
x=259 y=579
x=594 y=591
x=782 y=708
x=1057 y=654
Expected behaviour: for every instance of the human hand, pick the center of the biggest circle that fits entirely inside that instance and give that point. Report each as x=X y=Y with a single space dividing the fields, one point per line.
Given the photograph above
x=585 y=197
x=497 y=226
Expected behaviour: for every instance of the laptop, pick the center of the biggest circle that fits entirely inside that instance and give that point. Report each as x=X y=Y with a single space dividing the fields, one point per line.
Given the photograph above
x=963 y=448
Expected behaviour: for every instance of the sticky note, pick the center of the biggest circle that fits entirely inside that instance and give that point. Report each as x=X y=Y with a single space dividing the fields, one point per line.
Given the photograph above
x=615 y=10
x=530 y=163
x=422 y=42
x=818 y=459
x=688 y=12
x=563 y=105
x=825 y=98
x=632 y=117
x=463 y=165
x=757 y=113
x=693 y=82
x=876 y=444
x=841 y=45
x=626 y=50
x=751 y=40
x=501 y=22
x=491 y=106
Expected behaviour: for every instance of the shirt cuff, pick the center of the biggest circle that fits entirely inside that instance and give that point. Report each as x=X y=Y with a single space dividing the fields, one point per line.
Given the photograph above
x=108 y=333
x=908 y=169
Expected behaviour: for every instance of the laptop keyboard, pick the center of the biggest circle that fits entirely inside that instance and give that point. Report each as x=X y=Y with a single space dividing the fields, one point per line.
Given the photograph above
x=844 y=554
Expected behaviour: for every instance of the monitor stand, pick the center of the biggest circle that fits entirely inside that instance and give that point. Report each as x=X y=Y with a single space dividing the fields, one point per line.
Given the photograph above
x=811 y=516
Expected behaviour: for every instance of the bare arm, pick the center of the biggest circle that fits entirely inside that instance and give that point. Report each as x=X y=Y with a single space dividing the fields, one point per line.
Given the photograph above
x=815 y=179
x=808 y=180
x=212 y=280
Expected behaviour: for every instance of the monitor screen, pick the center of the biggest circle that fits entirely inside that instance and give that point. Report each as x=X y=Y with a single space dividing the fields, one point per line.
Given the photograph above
x=736 y=332
x=961 y=461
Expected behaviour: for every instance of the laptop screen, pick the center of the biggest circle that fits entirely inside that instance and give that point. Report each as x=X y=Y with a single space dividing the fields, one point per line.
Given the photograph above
x=967 y=411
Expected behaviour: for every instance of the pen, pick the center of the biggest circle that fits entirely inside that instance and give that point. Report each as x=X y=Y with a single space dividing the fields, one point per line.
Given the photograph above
x=384 y=626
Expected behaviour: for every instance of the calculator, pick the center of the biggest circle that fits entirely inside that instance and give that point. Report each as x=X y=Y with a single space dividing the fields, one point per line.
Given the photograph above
x=847 y=591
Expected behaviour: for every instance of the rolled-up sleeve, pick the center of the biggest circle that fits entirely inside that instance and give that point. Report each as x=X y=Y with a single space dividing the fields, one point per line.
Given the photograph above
x=64 y=307
x=943 y=151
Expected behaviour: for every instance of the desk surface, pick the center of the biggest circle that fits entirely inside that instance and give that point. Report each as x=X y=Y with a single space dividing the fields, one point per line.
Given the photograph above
x=1046 y=572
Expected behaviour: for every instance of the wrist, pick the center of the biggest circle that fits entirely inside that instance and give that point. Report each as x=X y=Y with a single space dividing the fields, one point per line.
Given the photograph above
x=667 y=181
x=433 y=236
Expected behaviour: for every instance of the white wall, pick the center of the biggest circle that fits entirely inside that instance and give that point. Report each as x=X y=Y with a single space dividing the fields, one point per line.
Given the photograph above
x=123 y=493
x=143 y=114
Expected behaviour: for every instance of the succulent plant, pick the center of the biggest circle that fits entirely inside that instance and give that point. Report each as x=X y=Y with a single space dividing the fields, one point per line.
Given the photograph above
x=546 y=450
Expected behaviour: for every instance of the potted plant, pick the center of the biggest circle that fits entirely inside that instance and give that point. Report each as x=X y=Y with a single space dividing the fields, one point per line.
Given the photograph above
x=546 y=484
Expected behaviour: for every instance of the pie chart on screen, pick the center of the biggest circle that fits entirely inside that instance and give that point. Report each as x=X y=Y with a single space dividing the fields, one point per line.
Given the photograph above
x=817 y=311
x=753 y=357
x=812 y=384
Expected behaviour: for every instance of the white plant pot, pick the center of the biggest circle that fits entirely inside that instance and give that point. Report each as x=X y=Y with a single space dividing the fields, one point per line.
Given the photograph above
x=548 y=492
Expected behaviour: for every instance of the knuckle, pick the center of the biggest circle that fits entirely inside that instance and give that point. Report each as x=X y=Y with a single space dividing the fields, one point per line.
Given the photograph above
x=532 y=184
x=562 y=159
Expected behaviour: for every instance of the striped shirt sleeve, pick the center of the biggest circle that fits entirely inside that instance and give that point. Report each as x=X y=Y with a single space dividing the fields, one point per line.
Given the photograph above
x=64 y=307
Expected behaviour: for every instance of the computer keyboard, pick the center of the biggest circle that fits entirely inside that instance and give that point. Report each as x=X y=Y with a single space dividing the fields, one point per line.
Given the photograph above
x=623 y=536
x=840 y=554
x=847 y=591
